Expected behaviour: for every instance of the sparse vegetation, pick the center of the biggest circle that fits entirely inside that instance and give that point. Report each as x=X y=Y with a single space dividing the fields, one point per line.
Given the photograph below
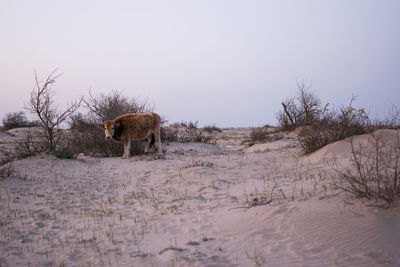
x=301 y=110
x=33 y=143
x=375 y=172
x=109 y=106
x=41 y=105
x=17 y=120
x=7 y=170
x=333 y=126
x=108 y=210
x=258 y=135
x=84 y=135
x=322 y=125
x=185 y=124
x=262 y=135
x=64 y=153
x=184 y=132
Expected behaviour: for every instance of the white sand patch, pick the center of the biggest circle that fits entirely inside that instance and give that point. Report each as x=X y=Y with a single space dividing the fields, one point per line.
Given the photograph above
x=277 y=145
x=314 y=233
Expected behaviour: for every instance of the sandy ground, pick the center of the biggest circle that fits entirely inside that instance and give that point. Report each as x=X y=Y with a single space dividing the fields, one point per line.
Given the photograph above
x=222 y=204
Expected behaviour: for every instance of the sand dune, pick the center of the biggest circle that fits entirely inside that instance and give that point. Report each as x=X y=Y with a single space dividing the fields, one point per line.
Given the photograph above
x=343 y=148
x=203 y=205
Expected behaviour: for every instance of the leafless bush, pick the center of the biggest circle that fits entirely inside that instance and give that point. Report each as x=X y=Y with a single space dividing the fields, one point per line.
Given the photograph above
x=6 y=165
x=310 y=104
x=288 y=117
x=299 y=111
x=32 y=144
x=376 y=173
x=109 y=106
x=29 y=145
x=7 y=169
x=42 y=106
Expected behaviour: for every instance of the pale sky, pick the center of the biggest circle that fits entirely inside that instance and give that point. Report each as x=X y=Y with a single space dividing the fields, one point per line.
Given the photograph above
x=229 y=63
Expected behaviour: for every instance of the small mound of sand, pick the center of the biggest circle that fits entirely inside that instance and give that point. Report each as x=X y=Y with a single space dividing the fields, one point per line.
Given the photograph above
x=343 y=148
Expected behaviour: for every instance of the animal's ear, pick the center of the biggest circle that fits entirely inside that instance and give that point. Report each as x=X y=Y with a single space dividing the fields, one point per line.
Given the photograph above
x=117 y=124
x=101 y=125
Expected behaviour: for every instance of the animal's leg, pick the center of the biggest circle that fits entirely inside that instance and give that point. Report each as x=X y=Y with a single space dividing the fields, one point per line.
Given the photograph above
x=127 y=149
x=157 y=137
x=150 y=143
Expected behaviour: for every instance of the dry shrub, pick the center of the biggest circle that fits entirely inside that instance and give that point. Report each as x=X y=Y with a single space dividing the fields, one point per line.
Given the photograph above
x=324 y=126
x=192 y=135
x=299 y=111
x=109 y=106
x=17 y=120
x=185 y=124
x=41 y=105
x=85 y=136
x=32 y=144
x=333 y=126
x=263 y=135
x=258 y=135
x=184 y=132
x=168 y=134
x=376 y=173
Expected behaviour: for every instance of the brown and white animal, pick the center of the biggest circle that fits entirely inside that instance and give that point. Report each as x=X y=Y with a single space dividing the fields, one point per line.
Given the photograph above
x=134 y=126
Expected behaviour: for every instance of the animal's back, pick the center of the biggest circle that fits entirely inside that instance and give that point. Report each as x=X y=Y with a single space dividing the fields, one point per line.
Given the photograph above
x=138 y=117
x=139 y=124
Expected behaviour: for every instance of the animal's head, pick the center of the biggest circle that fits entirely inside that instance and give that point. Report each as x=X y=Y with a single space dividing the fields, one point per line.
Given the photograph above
x=109 y=128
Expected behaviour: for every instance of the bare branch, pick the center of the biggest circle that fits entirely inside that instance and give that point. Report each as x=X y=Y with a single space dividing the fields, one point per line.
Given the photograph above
x=41 y=104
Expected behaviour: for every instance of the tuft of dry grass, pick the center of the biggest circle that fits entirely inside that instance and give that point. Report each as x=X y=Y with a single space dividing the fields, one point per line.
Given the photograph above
x=261 y=135
x=7 y=171
x=258 y=135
